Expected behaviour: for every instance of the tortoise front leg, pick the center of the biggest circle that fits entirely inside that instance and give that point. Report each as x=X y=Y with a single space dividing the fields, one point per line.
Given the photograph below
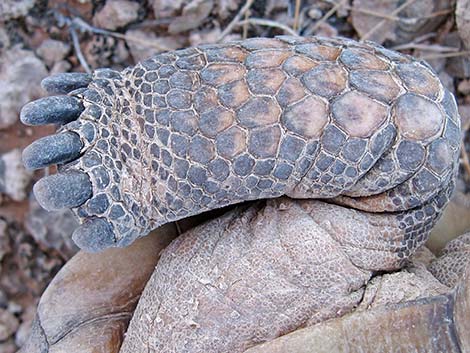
x=197 y=129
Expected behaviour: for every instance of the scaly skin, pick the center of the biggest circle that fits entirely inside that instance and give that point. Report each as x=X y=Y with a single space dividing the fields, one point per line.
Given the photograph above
x=197 y=129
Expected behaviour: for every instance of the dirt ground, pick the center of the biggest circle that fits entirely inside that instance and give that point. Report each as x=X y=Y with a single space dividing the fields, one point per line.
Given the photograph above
x=41 y=37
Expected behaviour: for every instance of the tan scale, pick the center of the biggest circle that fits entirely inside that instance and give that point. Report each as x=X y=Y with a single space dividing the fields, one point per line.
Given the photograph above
x=358 y=115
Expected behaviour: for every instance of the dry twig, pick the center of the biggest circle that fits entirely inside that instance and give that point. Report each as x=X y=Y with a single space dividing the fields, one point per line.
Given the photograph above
x=245 y=26
x=394 y=17
x=297 y=15
x=78 y=51
x=465 y=161
x=83 y=26
x=381 y=23
x=268 y=23
x=325 y=17
x=445 y=55
x=426 y=47
x=235 y=20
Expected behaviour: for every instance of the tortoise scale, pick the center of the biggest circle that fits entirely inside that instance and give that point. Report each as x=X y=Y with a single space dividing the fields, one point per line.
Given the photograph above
x=196 y=129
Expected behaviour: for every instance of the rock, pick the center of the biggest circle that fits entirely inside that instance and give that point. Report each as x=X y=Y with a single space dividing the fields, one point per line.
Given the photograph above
x=194 y=14
x=8 y=324
x=315 y=13
x=464 y=112
x=25 y=326
x=464 y=87
x=29 y=269
x=14 y=307
x=458 y=66
x=462 y=17
x=167 y=8
x=416 y=19
x=447 y=80
x=60 y=67
x=53 y=51
x=4 y=40
x=363 y=23
x=116 y=14
x=198 y=37
x=5 y=247
x=14 y=178
x=145 y=44
x=8 y=346
x=226 y=8
x=10 y=9
x=3 y=299
x=326 y=30
x=21 y=73
x=53 y=230
x=105 y=51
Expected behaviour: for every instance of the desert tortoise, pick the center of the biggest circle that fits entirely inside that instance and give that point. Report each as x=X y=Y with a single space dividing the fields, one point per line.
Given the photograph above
x=371 y=132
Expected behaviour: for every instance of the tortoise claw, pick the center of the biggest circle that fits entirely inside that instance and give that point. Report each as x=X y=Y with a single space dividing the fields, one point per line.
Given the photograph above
x=95 y=235
x=66 y=82
x=53 y=149
x=64 y=190
x=51 y=110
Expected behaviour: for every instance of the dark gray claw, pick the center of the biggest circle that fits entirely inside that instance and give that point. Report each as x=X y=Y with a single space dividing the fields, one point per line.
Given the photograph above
x=66 y=82
x=51 y=110
x=94 y=235
x=53 y=149
x=64 y=190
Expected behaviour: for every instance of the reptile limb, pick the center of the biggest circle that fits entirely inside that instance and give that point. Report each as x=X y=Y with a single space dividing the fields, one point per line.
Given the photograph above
x=197 y=129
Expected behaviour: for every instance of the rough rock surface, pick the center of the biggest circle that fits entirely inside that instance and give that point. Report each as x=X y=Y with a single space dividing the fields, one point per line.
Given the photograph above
x=416 y=19
x=53 y=51
x=144 y=44
x=458 y=66
x=25 y=271
x=462 y=17
x=52 y=230
x=21 y=73
x=8 y=324
x=10 y=9
x=14 y=178
x=116 y=14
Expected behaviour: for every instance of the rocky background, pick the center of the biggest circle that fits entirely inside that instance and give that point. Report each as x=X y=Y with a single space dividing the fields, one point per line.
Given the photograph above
x=41 y=37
